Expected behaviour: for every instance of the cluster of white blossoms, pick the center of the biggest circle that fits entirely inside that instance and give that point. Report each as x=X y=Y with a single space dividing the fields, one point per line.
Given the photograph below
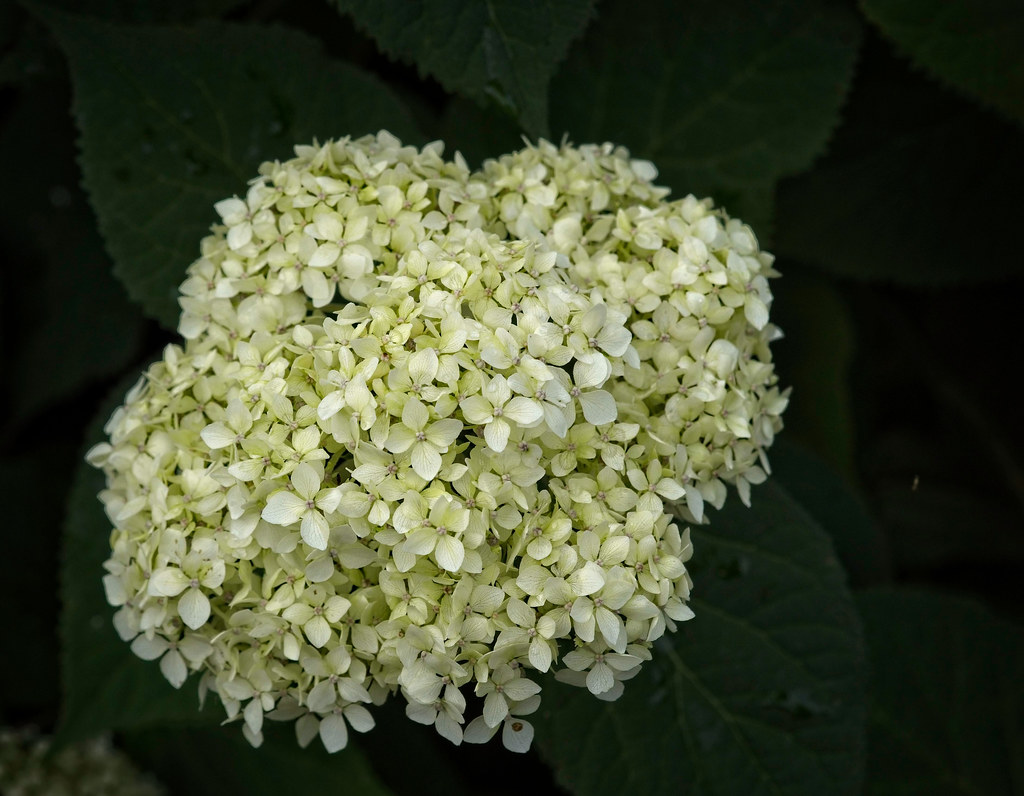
x=430 y=429
x=28 y=767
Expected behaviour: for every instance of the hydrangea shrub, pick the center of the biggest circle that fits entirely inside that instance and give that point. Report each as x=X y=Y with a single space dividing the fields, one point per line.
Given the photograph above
x=432 y=428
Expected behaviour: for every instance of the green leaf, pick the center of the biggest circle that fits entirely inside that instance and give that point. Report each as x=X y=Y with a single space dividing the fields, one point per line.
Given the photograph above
x=502 y=51
x=973 y=45
x=105 y=685
x=73 y=323
x=940 y=461
x=723 y=97
x=815 y=358
x=837 y=508
x=762 y=692
x=913 y=179
x=173 y=120
x=477 y=133
x=201 y=761
x=947 y=705
x=923 y=509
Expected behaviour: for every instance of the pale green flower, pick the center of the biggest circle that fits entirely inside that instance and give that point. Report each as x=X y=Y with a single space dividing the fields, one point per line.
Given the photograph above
x=429 y=431
x=504 y=687
x=425 y=440
x=516 y=734
x=438 y=533
x=496 y=410
x=200 y=569
x=176 y=657
x=307 y=503
x=604 y=669
x=445 y=714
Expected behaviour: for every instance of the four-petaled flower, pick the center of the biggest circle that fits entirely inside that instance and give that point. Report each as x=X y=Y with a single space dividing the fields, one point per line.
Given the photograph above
x=496 y=410
x=306 y=502
x=425 y=439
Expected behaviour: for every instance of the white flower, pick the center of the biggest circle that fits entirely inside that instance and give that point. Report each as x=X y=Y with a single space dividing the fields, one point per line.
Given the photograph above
x=495 y=409
x=308 y=504
x=29 y=764
x=425 y=440
x=429 y=431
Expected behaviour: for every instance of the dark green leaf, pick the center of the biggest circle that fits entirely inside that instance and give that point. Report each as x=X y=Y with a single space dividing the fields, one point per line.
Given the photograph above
x=762 y=692
x=860 y=544
x=922 y=510
x=210 y=762
x=477 y=133
x=940 y=464
x=974 y=45
x=914 y=179
x=105 y=686
x=503 y=51
x=814 y=358
x=172 y=120
x=946 y=714
x=72 y=321
x=724 y=97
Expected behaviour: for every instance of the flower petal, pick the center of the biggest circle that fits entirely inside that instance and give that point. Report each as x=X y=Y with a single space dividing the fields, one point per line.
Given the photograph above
x=194 y=608
x=306 y=480
x=496 y=434
x=600 y=679
x=283 y=508
x=523 y=411
x=426 y=461
x=315 y=530
x=317 y=631
x=334 y=733
x=168 y=582
x=517 y=735
x=449 y=553
x=172 y=665
x=598 y=407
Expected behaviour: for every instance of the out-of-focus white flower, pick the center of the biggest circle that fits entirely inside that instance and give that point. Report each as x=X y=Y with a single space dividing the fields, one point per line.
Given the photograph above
x=28 y=768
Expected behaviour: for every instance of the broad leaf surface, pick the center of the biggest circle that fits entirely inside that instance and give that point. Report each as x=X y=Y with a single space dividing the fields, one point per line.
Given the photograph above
x=172 y=120
x=73 y=323
x=959 y=527
x=815 y=359
x=914 y=179
x=106 y=686
x=973 y=45
x=862 y=547
x=946 y=715
x=723 y=97
x=762 y=692
x=503 y=51
x=478 y=134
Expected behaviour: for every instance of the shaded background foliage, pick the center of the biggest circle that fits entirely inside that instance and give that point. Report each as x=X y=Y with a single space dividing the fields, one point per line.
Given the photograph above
x=877 y=150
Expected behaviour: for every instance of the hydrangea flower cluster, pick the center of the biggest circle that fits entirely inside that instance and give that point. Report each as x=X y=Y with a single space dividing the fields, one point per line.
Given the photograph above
x=29 y=768
x=429 y=429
